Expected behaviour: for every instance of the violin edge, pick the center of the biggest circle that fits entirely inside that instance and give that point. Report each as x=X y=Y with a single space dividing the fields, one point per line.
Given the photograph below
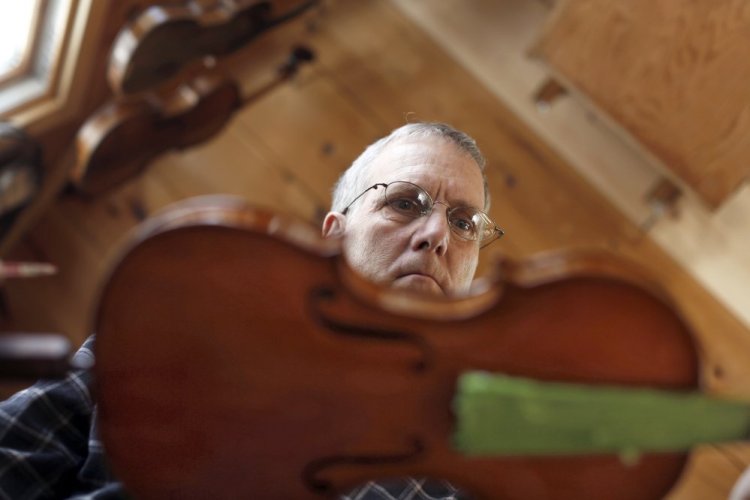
x=551 y=265
x=235 y=212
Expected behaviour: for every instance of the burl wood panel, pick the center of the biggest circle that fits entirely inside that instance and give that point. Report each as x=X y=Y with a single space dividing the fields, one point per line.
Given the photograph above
x=672 y=75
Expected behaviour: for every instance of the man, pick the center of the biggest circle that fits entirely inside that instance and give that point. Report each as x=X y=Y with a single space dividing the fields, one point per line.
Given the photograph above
x=406 y=247
x=408 y=212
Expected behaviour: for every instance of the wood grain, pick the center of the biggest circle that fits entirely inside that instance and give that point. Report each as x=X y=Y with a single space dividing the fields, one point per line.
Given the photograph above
x=671 y=76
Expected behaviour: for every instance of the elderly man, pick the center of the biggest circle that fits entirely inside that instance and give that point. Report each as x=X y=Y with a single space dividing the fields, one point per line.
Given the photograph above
x=410 y=212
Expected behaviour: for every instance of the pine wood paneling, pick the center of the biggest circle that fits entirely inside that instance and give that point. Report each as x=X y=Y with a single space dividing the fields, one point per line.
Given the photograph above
x=312 y=148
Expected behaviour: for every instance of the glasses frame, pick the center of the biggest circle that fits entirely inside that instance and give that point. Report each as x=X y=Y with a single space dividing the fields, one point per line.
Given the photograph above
x=497 y=231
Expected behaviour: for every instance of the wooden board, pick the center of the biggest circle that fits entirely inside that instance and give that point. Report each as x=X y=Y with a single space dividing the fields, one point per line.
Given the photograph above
x=670 y=75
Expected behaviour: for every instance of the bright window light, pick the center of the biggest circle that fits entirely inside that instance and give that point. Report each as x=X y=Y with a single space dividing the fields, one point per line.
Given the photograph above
x=32 y=33
x=16 y=32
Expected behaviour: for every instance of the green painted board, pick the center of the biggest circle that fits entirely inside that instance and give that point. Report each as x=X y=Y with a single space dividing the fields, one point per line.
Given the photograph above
x=502 y=415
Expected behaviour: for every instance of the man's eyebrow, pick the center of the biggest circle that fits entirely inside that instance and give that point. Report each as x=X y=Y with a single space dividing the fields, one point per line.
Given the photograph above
x=460 y=202
x=464 y=203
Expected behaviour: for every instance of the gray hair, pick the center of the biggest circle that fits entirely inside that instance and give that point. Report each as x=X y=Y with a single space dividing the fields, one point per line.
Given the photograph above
x=352 y=181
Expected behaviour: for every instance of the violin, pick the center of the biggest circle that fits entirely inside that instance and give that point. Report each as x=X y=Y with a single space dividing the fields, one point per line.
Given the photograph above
x=164 y=39
x=238 y=356
x=118 y=141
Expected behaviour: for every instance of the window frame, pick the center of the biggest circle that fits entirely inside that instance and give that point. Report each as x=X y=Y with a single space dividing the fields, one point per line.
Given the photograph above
x=42 y=101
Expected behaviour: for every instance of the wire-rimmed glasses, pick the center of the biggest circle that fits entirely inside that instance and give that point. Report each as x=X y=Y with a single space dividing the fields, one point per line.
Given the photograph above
x=405 y=201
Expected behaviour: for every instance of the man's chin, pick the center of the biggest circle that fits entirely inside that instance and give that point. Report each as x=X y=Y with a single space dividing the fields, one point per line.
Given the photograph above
x=418 y=283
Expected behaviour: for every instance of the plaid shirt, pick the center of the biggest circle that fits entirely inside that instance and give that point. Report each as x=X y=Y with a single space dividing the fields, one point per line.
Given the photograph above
x=48 y=443
x=49 y=448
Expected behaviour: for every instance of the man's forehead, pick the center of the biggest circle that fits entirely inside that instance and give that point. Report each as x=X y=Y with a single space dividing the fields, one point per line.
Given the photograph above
x=416 y=144
x=429 y=158
x=411 y=153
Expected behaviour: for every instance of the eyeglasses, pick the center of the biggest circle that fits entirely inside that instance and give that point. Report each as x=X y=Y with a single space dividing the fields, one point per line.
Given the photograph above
x=405 y=201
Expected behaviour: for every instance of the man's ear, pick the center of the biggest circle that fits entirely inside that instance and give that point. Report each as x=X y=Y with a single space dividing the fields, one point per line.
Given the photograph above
x=334 y=225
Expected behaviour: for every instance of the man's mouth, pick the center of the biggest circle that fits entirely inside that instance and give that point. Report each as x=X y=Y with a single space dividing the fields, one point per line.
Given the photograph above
x=418 y=282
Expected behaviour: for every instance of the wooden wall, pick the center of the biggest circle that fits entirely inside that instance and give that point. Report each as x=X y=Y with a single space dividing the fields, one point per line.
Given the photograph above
x=375 y=71
x=493 y=41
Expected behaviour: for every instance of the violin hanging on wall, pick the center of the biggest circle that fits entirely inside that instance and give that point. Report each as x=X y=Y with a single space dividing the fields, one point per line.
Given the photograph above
x=123 y=137
x=154 y=111
x=163 y=40
x=239 y=357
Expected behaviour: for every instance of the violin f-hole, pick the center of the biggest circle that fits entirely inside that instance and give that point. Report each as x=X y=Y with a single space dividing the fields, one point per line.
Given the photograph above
x=311 y=474
x=324 y=293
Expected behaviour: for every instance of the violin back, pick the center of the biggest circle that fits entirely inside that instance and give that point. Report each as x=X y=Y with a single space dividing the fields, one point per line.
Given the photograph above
x=238 y=357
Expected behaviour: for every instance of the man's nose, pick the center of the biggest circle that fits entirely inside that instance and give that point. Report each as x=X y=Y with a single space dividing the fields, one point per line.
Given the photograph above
x=434 y=232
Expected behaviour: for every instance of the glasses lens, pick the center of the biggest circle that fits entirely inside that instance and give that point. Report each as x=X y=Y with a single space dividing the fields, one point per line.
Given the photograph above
x=407 y=199
x=467 y=223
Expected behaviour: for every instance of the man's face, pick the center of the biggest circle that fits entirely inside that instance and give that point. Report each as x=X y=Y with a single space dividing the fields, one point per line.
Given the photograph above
x=422 y=254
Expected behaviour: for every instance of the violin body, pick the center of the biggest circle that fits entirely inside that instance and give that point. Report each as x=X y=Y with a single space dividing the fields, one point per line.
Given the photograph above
x=168 y=93
x=120 y=140
x=123 y=137
x=239 y=357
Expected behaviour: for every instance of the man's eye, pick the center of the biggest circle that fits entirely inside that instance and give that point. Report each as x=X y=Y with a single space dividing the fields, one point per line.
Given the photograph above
x=464 y=225
x=405 y=205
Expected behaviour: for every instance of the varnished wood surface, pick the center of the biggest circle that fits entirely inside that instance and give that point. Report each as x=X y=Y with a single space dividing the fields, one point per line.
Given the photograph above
x=375 y=71
x=669 y=74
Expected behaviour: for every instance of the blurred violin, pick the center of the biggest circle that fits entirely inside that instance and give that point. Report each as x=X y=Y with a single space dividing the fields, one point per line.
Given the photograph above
x=119 y=140
x=20 y=173
x=239 y=357
x=163 y=40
